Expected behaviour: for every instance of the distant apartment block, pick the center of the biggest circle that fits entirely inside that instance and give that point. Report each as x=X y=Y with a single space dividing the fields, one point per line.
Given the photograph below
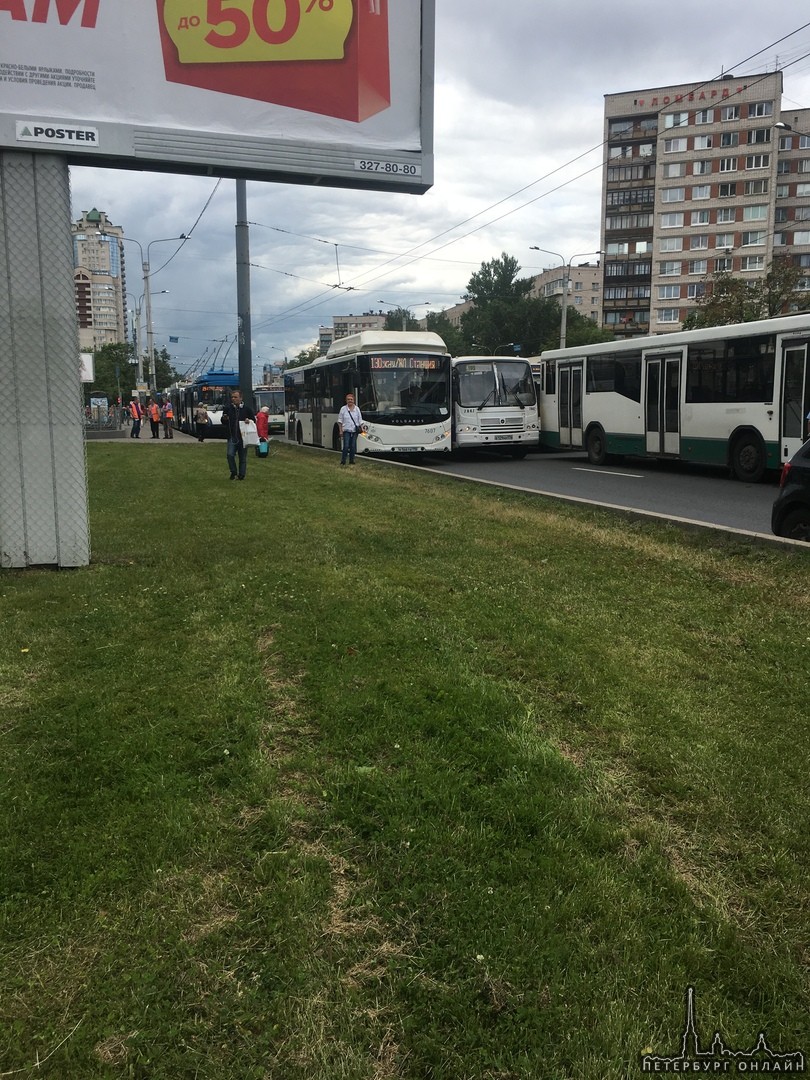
x=99 y=279
x=699 y=178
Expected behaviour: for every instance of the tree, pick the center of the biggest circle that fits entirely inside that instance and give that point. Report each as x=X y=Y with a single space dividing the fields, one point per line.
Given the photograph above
x=306 y=356
x=497 y=280
x=438 y=323
x=400 y=319
x=114 y=372
x=728 y=299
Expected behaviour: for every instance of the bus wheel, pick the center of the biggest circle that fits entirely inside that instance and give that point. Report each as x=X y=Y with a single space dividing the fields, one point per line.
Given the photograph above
x=518 y=455
x=748 y=459
x=299 y=435
x=596 y=446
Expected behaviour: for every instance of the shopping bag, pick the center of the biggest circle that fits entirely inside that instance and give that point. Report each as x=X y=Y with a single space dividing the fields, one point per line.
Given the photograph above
x=250 y=436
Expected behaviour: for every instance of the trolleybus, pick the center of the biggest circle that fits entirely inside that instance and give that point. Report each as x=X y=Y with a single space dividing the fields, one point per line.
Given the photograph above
x=494 y=405
x=400 y=380
x=727 y=395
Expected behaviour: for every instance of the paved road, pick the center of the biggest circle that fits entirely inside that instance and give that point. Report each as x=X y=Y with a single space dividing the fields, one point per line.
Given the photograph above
x=667 y=488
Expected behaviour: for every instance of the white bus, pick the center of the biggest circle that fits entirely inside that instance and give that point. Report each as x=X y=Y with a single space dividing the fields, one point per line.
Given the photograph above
x=728 y=395
x=494 y=405
x=400 y=380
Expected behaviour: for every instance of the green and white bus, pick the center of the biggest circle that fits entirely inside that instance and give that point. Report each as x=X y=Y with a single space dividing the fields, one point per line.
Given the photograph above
x=734 y=396
x=400 y=380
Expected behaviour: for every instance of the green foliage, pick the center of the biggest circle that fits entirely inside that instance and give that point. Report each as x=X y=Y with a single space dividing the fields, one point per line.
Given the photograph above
x=115 y=372
x=728 y=299
x=439 y=324
x=491 y=825
x=400 y=318
x=306 y=356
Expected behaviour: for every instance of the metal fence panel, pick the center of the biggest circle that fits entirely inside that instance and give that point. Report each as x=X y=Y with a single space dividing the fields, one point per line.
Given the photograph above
x=43 y=475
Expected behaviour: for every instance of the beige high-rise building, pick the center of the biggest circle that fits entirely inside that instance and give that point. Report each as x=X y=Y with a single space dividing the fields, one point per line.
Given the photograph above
x=698 y=178
x=99 y=278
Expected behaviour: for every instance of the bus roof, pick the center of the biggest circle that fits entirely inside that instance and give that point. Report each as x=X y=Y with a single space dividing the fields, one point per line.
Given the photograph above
x=484 y=356
x=218 y=378
x=784 y=324
x=385 y=341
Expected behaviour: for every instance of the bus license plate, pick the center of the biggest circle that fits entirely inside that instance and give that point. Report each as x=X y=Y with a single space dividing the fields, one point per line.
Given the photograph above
x=503 y=438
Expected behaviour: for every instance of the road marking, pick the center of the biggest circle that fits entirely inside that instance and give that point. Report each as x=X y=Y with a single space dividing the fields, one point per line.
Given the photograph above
x=607 y=472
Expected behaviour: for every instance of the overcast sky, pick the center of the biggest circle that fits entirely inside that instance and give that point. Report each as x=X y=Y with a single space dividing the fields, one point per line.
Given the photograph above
x=519 y=106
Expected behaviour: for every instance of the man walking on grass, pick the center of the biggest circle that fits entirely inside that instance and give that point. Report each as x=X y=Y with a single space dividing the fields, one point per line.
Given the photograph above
x=231 y=416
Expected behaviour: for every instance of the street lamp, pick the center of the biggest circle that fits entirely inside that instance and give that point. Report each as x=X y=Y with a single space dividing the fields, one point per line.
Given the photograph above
x=147 y=292
x=566 y=284
x=139 y=349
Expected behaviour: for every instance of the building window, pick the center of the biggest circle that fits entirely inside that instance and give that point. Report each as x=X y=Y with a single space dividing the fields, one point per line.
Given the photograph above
x=801 y=213
x=759 y=135
x=723 y=265
x=698 y=243
x=804 y=166
x=726 y=214
x=701 y=168
x=730 y=112
x=703 y=142
x=780 y=215
x=699 y=217
x=801 y=238
x=672 y=221
x=673 y=194
x=724 y=240
x=804 y=142
x=782 y=191
x=701 y=191
x=671 y=170
x=783 y=167
x=669 y=292
x=726 y=191
x=756 y=187
x=698 y=266
x=676 y=119
x=620 y=152
x=668 y=314
x=696 y=290
x=730 y=138
x=646 y=149
x=618 y=249
x=704 y=116
x=617 y=128
x=752 y=262
x=802 y=190
x=674 y=146
x=779 y=239
x=669 y=269
x=755 y=213
x=758 y=161
x=785 y=142
x=753 y=239
x=728 y=164
x=670 y=243
x=760 y=108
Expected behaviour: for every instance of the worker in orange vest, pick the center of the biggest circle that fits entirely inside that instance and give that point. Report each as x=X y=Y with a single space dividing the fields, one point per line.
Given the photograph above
x=168 y=416
x=136 y=412
x=153 y=410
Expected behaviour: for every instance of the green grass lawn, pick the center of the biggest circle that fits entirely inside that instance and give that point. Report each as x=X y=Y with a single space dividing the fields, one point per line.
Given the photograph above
x=373 y=774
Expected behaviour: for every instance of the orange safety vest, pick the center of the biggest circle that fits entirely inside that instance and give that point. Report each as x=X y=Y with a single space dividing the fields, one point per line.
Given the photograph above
x=135 y=411
x=154 y=411
x=169 y=412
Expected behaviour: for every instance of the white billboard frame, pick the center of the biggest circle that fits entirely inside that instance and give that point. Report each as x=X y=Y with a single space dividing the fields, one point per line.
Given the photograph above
x=323 y=106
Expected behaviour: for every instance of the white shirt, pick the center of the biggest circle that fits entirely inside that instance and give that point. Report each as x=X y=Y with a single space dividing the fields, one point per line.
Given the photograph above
x=350 y=419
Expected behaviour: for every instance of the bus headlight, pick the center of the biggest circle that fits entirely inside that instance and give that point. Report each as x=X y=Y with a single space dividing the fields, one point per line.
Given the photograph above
x=371 y=438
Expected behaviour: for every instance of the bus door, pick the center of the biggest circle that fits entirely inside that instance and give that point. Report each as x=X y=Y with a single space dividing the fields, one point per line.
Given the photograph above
x=569 y=399
x=662 y=423
x=317 y=407
x=795 y=396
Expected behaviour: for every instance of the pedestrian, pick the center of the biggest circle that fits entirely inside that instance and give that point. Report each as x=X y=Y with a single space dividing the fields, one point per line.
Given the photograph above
x=201 y=421
x=232 y=416
x=153 y=412
x=167 y=414
x=136 y=412
x=263 y=430
x=350 y=421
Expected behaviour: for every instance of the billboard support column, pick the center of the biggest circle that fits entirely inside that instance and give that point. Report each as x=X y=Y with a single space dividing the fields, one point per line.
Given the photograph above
x=43 y=476
x=243 y=294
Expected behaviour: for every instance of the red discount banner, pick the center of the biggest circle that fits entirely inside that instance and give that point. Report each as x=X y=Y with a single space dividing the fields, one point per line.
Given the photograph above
x=323 y=56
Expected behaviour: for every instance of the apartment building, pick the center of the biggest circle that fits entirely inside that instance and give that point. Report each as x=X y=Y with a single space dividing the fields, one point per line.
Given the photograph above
x=584 y=287
x=698 y=177
x=99 y=279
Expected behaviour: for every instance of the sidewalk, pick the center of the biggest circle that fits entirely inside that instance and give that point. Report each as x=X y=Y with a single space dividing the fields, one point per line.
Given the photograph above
x=114 y=434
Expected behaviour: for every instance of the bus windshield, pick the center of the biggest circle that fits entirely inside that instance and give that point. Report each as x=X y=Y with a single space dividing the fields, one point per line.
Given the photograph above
x=493 y=384
x=403 y=388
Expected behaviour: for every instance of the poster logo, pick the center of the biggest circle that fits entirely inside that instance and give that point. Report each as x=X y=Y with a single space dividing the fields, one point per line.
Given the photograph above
x=324 y=56
x=719 y=1059
x=43 y=132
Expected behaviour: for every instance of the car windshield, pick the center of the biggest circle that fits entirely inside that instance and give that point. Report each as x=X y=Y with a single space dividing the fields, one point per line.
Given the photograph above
x=404 y=389
x=495 y=383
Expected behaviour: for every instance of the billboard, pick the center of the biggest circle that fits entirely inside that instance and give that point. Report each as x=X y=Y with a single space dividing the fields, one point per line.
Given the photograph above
x=301 y=91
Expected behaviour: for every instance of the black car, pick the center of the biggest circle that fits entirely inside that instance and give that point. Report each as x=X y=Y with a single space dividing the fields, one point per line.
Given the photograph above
x=791 y=510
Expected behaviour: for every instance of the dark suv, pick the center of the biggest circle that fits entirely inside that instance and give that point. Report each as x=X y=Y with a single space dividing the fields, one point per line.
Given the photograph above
x=791 y=510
